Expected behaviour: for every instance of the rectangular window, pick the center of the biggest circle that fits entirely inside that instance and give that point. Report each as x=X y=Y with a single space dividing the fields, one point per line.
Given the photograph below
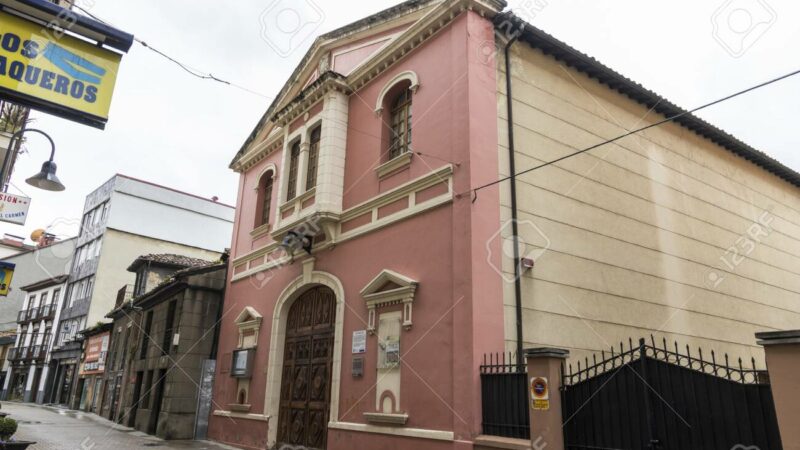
x=266 y=201
x=98 y=246
x=294 y=159
x=169 y=329
x=148 y=324
x=313 y=158
x=43 y=300
x=32 y=302
x=89 y=287
x=56 y=296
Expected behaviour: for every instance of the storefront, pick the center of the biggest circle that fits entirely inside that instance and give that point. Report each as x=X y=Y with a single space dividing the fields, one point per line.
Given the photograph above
x=90 y=389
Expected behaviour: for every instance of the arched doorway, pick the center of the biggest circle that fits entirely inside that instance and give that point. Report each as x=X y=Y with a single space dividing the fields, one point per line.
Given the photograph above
x=307 y=366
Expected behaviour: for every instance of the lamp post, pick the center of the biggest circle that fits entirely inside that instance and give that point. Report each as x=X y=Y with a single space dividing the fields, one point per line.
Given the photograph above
x=46 y=178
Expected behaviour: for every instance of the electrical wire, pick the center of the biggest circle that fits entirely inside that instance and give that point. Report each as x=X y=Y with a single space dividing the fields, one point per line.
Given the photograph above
x=188 y=69
x=475 y=190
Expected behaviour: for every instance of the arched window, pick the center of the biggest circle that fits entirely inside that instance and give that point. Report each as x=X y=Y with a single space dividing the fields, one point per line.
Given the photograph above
x=265 y=198
x=294 y=159
x=400 y=122
x=313 y=158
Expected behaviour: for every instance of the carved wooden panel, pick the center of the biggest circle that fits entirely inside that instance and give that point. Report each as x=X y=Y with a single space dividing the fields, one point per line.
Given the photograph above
x=306 y=375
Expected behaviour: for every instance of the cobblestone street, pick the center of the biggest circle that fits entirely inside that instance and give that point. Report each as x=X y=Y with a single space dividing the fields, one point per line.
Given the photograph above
x=64 y=429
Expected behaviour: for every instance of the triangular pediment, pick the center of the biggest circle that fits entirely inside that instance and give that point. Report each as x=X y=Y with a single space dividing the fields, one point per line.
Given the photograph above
x=388 y=281
x=248 y=314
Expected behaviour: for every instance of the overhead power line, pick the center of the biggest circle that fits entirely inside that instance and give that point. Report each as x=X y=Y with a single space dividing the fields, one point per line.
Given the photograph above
x=630 y=133
x=188 y=69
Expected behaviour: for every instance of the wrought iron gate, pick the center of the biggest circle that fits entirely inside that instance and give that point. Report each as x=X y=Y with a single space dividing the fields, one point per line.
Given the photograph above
x=651 y=397
x=504 y=397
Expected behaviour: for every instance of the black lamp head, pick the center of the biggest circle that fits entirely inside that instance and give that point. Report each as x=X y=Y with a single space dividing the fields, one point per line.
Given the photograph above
x=46 y=179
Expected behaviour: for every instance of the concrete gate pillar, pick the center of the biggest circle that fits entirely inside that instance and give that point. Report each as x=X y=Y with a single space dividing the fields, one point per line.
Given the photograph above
x=782 y=349
x=544 y=397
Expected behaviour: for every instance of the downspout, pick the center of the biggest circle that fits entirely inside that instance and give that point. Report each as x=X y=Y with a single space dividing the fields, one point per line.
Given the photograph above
x=514 y=227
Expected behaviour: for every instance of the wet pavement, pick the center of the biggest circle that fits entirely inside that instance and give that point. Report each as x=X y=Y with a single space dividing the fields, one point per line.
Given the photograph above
x=64 y=429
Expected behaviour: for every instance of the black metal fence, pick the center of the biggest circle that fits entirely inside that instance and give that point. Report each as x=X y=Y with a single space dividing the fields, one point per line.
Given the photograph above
x=654 y=397
x=503 y=397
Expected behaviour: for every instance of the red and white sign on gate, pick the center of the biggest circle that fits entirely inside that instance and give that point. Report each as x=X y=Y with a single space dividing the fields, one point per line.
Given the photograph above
x=540 y=394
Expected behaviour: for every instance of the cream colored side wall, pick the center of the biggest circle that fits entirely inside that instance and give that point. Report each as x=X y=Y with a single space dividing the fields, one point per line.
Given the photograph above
x=119 y=250
x=635 y=231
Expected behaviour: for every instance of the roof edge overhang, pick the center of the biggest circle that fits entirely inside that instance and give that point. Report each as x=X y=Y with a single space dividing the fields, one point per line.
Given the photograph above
x=536 y=38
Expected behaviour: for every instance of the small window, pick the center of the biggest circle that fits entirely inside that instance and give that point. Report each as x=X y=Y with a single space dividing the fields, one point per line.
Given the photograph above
x=294 y=158
x=148 y=325
x=313 y=158
x=265 y=201
x=400 y=140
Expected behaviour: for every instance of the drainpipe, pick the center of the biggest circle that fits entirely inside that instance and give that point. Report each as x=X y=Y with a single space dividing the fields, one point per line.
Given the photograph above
x=514 y=226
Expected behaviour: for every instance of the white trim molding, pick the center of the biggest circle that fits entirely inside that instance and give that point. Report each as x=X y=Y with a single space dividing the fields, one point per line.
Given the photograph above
x=378 y=298
x=393 y=165
x=278 y=339
x=235 y=415
x=420 y=433
x=408 y=75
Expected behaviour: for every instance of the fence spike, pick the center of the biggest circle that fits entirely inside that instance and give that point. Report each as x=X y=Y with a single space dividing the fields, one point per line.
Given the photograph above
x=753 y=361
x=630 y=343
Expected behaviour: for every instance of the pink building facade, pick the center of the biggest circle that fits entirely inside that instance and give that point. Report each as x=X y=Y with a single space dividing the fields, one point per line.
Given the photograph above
x=369 y=276
x=371 y=339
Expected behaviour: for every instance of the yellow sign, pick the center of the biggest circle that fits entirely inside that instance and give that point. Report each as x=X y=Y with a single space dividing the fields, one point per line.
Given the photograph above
x=56 y=71
x=540 y=394
x=6 y=273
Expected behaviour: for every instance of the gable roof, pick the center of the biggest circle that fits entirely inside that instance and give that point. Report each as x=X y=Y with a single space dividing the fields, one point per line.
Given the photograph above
x=582 y=62
x=360 y=25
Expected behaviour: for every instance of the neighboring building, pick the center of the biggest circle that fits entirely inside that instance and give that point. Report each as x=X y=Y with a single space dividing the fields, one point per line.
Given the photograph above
x=50 y=260
x=164 y=346
x=7 y=340
x=91 y=376
x=30 y=357
x=11 y=245
x=384 y=272
x=123 y=219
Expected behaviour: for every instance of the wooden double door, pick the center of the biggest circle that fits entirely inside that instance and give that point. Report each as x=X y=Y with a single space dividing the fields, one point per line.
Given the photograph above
x=307 y=366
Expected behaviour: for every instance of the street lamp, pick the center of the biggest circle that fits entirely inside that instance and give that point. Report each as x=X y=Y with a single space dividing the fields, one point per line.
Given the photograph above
x=46 y=179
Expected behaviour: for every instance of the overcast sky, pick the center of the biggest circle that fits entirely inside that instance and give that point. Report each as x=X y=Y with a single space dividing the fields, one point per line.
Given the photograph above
x=171 y=128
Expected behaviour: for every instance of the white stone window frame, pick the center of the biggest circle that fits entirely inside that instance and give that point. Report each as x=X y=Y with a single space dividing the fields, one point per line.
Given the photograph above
x=263 y=228
x=254 y=324
x=302 y=135
x=408 y=75
x=375 y=298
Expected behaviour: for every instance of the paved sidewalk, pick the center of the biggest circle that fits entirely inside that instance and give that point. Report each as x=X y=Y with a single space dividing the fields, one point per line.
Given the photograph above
x=64 y=429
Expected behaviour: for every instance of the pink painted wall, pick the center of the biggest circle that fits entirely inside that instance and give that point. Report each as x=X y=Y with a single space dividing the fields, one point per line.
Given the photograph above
x=458 y=308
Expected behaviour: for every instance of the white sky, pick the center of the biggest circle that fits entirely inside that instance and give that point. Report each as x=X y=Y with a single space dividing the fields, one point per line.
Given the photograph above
x=170 y=128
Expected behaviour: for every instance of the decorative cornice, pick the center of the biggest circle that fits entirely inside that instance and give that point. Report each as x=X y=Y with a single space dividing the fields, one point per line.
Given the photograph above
x=327 y=82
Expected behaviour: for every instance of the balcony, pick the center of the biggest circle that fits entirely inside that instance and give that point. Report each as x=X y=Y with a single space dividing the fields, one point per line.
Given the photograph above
x=37 y=352
x=17 y=354
x=27 y=315
x=46 y=312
